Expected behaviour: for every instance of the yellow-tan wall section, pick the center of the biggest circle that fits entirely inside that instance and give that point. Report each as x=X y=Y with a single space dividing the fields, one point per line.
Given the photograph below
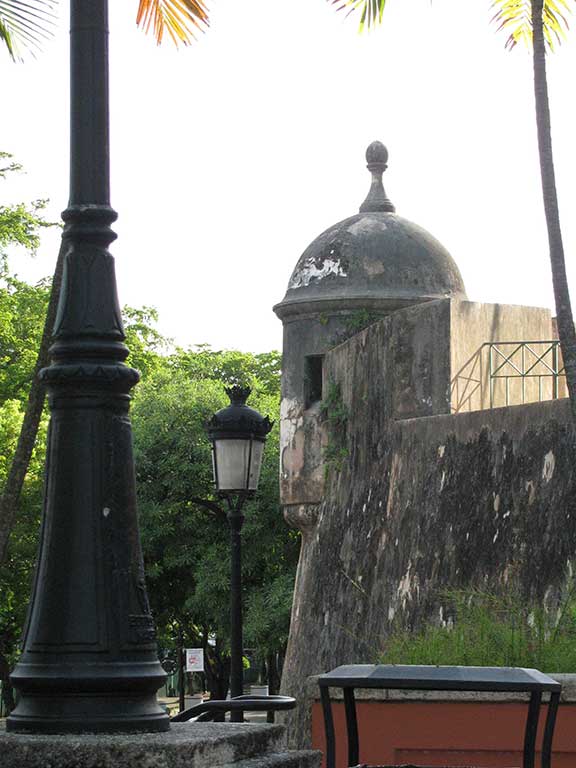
x=472 y=325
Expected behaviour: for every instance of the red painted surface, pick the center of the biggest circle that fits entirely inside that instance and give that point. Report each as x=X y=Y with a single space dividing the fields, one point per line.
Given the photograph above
x=482 y=734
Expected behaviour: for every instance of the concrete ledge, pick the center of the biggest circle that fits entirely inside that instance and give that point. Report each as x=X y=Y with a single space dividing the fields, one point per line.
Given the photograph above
x=186 y=745
x=568 y=696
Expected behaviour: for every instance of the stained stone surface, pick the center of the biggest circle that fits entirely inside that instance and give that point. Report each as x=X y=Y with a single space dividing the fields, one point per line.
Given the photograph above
x=186 y=745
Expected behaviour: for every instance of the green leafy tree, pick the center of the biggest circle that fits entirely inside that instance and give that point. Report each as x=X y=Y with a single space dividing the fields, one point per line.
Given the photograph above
x=540 y=24
x=27 y=314
x=17 y=568
x=145 y=343
x=260 y=372
x=22 y=312
x=22 y=317
x=172 y=467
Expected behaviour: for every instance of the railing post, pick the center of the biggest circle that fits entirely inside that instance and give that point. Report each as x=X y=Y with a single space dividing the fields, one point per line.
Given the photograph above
x=490 y=372
x=523 y=373
x=555 y=389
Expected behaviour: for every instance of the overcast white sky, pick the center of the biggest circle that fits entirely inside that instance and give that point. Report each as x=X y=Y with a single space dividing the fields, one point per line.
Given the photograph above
x=230 y=156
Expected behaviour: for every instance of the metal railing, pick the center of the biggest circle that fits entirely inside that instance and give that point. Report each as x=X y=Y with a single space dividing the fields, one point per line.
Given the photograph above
x=208 y=710
x=524 y=360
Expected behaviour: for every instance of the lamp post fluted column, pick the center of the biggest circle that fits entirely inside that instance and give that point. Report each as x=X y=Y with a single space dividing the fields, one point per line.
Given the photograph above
x=89 y=662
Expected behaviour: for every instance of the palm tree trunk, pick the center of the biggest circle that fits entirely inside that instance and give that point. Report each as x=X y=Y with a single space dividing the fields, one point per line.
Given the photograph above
x=564 y=318
x=29 y=430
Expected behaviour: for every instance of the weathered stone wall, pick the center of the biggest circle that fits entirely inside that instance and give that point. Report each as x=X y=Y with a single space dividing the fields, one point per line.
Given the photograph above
x=418 y=504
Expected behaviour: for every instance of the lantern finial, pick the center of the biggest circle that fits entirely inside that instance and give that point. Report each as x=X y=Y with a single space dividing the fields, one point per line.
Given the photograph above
x=238 y=395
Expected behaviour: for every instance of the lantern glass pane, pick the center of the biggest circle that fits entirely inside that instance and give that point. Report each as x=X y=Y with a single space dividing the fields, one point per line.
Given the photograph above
x=232 y=457
x=214 y=473
x=255 y=464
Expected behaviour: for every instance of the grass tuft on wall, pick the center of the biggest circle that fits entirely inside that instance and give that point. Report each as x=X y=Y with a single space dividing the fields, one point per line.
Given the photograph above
x=476 y=628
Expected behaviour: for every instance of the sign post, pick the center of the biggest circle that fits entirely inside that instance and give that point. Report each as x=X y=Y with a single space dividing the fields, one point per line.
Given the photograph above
x=194 y=662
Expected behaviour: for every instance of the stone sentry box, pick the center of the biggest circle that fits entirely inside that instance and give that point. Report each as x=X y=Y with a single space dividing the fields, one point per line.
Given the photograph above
x=340 y=284
x=369 y=266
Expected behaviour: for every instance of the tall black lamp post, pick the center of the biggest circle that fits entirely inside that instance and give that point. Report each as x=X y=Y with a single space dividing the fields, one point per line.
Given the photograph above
x=237 y=434
x=89 y=662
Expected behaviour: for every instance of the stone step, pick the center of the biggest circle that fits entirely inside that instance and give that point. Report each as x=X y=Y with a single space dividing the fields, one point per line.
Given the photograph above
x=296 y=759
x=186 y=745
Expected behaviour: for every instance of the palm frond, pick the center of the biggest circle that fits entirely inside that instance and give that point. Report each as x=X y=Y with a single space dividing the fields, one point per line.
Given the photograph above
x=24 y=24
x=180 y=19
x=6 y=38
x=515 y=18
x=370 y=10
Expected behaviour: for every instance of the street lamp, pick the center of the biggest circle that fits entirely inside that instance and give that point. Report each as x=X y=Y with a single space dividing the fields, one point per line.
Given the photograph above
x=237 y=434
x=89 y=662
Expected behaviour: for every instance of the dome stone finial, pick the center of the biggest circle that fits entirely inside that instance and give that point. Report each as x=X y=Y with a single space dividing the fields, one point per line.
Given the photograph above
x=377 y=153
x=376 y=200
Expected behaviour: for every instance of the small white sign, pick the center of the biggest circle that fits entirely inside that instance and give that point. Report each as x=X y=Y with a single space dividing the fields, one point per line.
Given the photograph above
x=194 y=659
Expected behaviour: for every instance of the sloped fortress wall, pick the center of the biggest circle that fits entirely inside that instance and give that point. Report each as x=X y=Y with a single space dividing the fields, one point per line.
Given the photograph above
x=422 y=499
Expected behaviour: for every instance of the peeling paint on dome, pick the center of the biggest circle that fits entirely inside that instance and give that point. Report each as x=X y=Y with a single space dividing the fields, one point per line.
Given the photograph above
x=311 y=271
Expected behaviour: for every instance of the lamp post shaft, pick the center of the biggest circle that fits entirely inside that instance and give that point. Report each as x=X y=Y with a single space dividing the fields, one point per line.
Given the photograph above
x=89 y=660
x=89 y=121
x=235 y=521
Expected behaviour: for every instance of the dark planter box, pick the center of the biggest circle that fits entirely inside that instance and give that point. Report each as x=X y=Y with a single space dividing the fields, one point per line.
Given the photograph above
x=443 y=730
